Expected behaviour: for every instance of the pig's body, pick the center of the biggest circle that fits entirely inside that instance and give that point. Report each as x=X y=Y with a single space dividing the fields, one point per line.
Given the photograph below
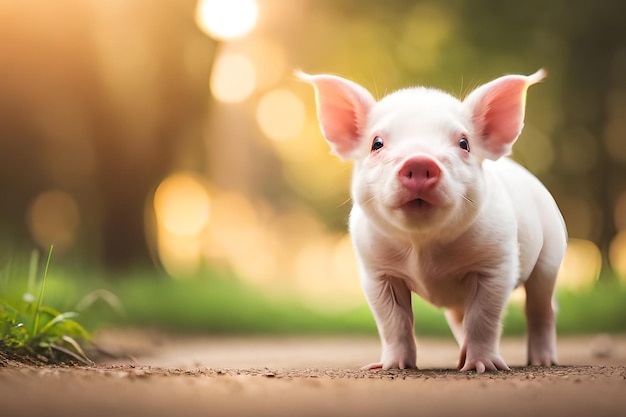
x=460 y=227
x=436 y=270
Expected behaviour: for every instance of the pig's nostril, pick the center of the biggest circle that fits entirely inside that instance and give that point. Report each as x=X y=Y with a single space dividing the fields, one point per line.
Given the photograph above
x=419 y=173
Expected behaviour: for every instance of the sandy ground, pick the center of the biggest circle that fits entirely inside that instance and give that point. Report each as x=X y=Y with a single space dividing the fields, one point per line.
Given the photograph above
x=165 y=376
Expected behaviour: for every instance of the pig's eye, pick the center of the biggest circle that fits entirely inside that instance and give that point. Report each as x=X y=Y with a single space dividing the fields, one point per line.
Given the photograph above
x=377 y=143
x=464 y=144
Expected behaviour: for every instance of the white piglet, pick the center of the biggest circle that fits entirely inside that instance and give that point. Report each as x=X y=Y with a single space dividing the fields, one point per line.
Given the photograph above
x=438 y=211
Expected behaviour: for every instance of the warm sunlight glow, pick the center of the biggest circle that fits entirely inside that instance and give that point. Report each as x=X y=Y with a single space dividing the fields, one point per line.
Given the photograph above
x=290 y=252
x=180 y=255
x=581 y=266
x=518 y=296
x=269 y=59
x=182 y=204
x=236 y=235
x=310 y=169
x=233 y=78
x=226 y=19
x=280 y=115
x=54 y=219
x=312 y=267
x=344 y=266
x=617 y=255
x=232 y=219
x=326 y=274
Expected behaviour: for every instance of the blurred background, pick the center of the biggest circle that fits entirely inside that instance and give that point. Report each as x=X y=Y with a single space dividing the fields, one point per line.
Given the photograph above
x=168 y=142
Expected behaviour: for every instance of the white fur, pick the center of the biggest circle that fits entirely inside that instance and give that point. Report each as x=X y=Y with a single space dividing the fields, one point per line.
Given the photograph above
x=493 y=226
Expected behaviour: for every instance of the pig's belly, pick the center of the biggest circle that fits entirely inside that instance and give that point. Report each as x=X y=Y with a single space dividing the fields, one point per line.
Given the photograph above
x=440 y=287
x=445 y=293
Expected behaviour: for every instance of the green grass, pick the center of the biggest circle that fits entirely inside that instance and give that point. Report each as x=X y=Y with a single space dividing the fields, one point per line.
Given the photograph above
x=30 y=329
x=223 y=305
x=219 y=304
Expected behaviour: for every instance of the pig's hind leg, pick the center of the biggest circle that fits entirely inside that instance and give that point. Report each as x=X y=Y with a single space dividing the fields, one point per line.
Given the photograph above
x=541 y=314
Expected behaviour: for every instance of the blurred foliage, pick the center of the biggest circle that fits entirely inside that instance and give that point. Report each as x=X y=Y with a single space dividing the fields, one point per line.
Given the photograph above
x=222 y=305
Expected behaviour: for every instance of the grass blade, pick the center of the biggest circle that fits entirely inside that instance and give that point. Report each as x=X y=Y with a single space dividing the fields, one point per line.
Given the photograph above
x=61 y=317
x=101 y=294
x=43 y=287
x=78 y=355
x=78 y=349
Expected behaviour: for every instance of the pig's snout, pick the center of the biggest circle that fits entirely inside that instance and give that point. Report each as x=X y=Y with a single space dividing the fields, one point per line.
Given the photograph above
x=419 y=173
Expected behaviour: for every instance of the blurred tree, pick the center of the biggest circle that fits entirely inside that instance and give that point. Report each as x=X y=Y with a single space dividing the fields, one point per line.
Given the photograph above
x=99 y=100
x=595 y=33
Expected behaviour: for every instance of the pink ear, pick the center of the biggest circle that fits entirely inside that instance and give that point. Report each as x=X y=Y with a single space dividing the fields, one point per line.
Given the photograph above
x=342 y=109
x=497 y=111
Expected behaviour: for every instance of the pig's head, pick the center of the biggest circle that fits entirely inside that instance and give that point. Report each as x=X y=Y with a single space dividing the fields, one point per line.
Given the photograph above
x=419 y=152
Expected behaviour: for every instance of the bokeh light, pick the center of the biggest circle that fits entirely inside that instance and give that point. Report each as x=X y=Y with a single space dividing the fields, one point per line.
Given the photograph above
x=182 y=205
x=233 y=78
x=54 y=219
x=345 y=267
x=581 y=266
x=237 y=236
x=289 y=253
x=227 y=19
x=280 y=115
x=233 y=216
x=326 y=272
x=182 y=208
x=181 y=256
x=312 y=267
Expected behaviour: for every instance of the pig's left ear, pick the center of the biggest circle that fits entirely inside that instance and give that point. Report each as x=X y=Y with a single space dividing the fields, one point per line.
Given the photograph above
x=497 y=111
x=342 y=110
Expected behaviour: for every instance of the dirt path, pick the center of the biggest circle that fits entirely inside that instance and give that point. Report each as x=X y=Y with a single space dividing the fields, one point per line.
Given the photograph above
x=315 y=377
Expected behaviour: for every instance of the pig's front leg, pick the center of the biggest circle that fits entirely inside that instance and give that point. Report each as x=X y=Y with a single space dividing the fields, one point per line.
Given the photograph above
x=390 y=301
x=482 y=325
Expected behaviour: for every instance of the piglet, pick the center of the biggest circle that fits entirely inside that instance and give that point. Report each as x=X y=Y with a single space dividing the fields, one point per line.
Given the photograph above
x=439 y=211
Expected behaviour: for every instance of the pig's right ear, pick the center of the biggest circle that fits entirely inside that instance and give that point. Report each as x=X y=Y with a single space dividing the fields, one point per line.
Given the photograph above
x=497 y=110
x=342 y=109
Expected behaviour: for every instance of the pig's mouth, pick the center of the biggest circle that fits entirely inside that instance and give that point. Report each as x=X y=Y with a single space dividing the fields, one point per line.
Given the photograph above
x=417 y=204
